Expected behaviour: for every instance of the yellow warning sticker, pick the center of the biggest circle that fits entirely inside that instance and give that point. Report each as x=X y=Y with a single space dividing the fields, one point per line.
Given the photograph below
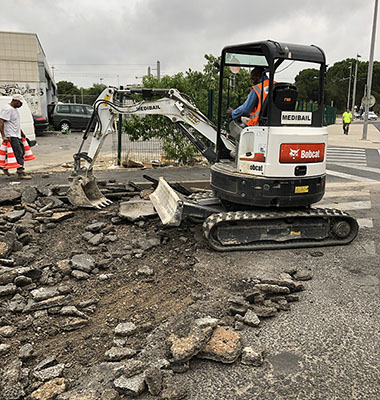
x=293 y=233
x=107 y=97
x=301 y=189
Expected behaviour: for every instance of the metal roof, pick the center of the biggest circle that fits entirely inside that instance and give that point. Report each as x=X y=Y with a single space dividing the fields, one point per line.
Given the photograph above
x=273 y=50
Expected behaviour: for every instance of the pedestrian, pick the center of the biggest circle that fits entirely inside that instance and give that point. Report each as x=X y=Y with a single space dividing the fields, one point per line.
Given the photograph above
x=346 y=119
x=361 y=112
x=12 y=133
x=252 y=106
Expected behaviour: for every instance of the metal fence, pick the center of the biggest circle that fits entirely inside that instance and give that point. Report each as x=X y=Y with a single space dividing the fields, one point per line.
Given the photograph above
x=77 y=98
x=143 y=151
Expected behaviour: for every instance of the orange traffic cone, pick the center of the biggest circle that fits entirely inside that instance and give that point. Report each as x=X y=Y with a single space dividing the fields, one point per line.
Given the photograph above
x=11 y=159
x=29 y=156
x=3 y=155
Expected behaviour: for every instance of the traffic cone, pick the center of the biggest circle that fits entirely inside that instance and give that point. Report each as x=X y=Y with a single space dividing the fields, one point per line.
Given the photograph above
x=29 y=156
x=3 y=155
x=11 y=159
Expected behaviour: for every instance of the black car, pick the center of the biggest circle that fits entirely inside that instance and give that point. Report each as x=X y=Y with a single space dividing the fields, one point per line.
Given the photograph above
x=65 y=117
x=40 y=123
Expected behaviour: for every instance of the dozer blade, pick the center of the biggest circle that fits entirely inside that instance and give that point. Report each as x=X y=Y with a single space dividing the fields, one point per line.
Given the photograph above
x=84 y=192
x=167 y=203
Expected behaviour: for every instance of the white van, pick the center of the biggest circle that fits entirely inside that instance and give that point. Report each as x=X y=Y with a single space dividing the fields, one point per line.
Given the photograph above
x=26 y=118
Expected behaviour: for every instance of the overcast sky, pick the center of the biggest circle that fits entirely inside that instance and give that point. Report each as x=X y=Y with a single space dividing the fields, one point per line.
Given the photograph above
x=114 y=41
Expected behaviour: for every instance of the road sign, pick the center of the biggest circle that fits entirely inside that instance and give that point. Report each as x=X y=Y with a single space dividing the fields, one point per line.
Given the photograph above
x=372 y=101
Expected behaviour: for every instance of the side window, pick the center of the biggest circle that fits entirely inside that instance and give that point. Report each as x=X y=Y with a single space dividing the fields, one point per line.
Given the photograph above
x=77 y=109
x=63 y=109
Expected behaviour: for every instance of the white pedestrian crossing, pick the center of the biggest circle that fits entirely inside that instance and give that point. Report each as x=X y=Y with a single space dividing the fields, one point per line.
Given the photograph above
x=337 y=155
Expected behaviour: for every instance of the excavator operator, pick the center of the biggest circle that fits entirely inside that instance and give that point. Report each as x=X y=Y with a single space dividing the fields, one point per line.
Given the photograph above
x=251 y=107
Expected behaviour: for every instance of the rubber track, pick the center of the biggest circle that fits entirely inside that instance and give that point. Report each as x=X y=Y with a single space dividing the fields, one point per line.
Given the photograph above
x=211 y=224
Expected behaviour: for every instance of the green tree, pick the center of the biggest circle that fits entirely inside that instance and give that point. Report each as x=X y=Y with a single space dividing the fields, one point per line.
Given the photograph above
x=92 y=93
x=193 y=84
x=307 y=83
x=337 y=82
x=66 y=91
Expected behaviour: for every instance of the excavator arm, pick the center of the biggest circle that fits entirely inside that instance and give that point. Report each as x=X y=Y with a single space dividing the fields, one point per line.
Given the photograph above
x=171 y=103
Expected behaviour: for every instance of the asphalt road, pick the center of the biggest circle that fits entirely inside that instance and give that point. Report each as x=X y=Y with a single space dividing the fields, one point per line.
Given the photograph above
x=328 y=346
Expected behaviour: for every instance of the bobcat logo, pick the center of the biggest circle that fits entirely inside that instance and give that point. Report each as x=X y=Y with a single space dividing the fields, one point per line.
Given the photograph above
x=293 y=153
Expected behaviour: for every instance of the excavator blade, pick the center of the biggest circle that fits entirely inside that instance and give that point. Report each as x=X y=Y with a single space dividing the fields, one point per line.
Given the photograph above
x=167 y=203
x=84 y=192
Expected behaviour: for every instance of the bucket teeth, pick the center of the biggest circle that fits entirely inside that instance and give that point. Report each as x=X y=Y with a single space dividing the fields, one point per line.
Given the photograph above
x=84 y=192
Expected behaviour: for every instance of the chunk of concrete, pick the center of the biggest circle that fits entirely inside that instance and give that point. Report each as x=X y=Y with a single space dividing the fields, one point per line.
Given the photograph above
x=136 y=209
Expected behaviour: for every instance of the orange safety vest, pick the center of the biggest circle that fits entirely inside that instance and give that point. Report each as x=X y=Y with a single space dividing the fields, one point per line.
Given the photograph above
x=254 y=117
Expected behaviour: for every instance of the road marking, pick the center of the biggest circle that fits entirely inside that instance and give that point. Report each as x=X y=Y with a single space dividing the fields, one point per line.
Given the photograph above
x=344 y=154
x=349 y=185
x=349 y=176
x=367 y=169
x=348 y=149
x=365 y=222
x=350 y=205
x=343 y=193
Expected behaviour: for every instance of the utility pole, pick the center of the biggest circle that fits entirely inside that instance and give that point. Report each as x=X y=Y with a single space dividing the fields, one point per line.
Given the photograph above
x=158 y=71
x=355 y=78
x=149 y=74
x=349 y=88
x=370 y=70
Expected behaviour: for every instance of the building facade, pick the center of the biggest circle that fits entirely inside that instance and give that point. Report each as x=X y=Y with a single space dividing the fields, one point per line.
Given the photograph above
x=24 y=69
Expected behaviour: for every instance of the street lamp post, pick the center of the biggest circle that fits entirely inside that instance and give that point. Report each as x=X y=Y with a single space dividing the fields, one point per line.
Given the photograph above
x=370 y=70
x=349 y=88
x=355 y=78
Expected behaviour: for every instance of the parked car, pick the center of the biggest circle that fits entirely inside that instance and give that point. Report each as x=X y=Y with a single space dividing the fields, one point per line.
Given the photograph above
x=40 y=123
x=372 y=116
x=70 y=116
x=26 y=119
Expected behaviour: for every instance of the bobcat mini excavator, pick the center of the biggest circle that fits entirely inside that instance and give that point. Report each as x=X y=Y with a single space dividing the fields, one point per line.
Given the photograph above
x=264 y=184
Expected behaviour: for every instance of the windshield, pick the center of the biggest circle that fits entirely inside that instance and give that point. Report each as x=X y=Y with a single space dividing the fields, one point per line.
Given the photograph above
x=246 y=60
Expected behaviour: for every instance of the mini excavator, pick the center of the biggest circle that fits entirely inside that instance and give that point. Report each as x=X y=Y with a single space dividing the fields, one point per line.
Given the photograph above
x=264 y=184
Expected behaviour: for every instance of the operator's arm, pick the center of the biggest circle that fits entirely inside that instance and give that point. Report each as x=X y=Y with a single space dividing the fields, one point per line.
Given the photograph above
x=246 y=108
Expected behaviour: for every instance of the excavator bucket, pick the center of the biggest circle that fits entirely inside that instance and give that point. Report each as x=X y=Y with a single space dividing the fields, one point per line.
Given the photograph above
x=84 y=192
x=167 y=203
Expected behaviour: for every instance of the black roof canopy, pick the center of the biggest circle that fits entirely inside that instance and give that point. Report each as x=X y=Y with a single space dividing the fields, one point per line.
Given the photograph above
x=275 y=50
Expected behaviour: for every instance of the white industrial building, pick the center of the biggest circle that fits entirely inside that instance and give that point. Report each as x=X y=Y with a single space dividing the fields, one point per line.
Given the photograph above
x=24 y=69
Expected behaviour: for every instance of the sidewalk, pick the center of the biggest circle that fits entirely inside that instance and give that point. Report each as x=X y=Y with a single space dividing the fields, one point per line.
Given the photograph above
x=354 y=137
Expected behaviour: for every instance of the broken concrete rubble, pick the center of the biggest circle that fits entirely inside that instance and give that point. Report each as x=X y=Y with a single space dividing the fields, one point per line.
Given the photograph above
x=52 y=299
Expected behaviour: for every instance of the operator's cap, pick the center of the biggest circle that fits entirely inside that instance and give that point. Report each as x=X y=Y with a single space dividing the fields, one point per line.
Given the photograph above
x=18 y=97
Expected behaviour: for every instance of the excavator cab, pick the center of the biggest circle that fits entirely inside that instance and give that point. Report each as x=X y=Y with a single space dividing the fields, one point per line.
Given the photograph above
x=282 y=97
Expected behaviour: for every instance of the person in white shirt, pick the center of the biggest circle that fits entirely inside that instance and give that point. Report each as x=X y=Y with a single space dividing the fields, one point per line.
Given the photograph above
x=11 y=132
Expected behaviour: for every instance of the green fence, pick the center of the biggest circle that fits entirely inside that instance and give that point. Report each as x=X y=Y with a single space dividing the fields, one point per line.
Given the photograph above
x=329 y=115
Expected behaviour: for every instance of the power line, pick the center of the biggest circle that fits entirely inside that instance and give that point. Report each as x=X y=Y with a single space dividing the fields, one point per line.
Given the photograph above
x=106 y=64
x=84 y=75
